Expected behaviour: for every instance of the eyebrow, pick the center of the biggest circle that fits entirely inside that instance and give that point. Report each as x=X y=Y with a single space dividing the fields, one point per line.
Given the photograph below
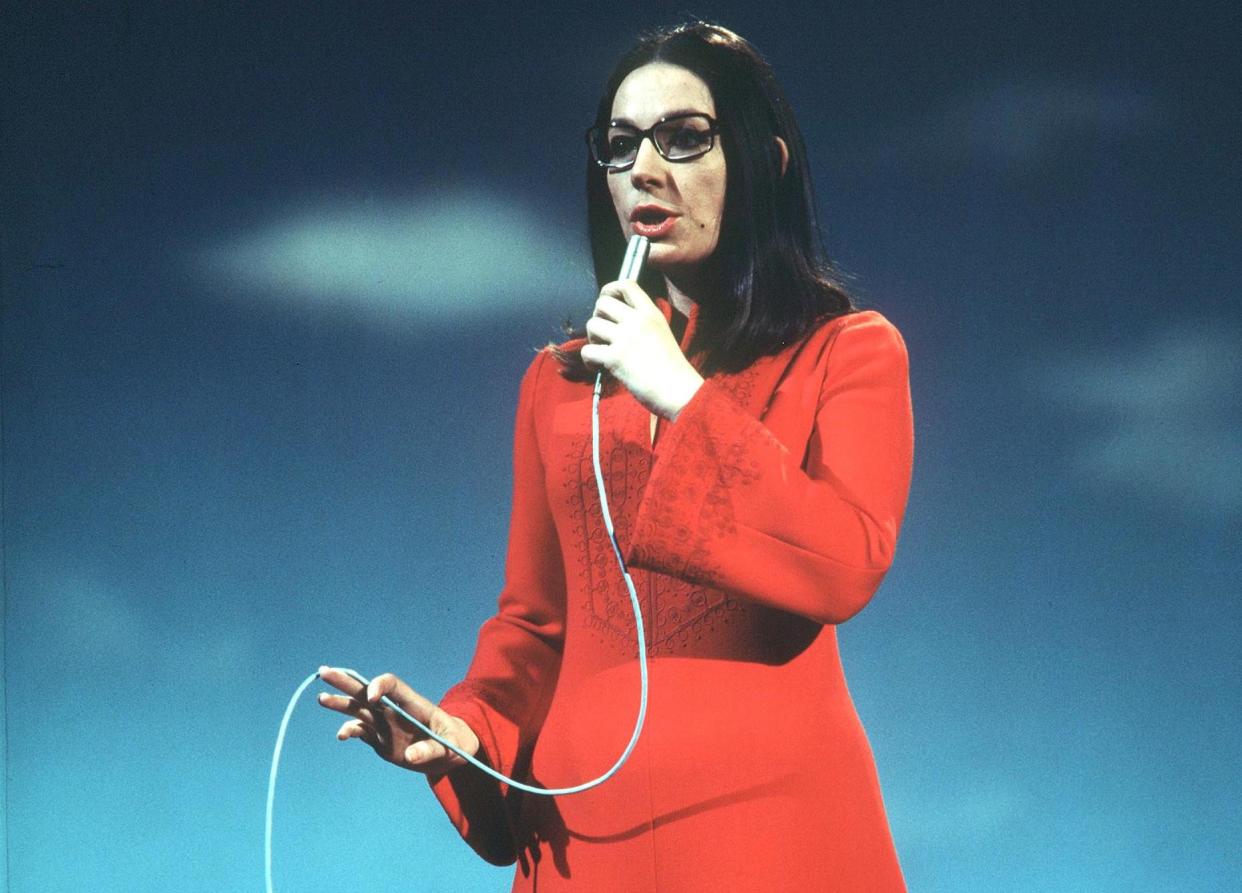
x=673 y=114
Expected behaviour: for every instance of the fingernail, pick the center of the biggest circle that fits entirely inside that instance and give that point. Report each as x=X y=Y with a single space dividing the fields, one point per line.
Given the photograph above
x=323 y=670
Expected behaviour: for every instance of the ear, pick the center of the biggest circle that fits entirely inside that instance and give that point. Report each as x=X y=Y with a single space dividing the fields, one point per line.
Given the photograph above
x=784 y=153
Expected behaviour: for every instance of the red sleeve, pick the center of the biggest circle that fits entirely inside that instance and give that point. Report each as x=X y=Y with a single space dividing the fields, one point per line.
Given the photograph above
x=729 y=506
x=505 y=694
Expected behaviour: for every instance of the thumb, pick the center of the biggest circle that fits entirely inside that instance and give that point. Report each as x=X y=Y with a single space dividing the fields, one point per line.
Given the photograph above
x=452 y=730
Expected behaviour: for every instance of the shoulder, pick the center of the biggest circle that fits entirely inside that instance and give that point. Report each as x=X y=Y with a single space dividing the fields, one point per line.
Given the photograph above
x=543 y=376
x=535 y=379
x=865 y=330
x=537 y=369
x=543 y=386
x=864 y=336
x=858 y=348
x=860 y=333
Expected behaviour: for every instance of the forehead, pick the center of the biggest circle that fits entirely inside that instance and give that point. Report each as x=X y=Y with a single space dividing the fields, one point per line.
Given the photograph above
x=658 y=89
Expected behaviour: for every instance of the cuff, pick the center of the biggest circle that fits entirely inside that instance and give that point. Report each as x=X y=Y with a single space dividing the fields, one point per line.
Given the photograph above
x=473 y=800
x=686 y=505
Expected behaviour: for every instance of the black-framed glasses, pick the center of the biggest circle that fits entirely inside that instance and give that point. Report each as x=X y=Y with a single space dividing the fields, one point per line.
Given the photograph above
x=677 y=138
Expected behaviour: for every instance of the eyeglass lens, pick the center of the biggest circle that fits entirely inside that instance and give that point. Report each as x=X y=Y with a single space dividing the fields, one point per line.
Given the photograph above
x=677 y=139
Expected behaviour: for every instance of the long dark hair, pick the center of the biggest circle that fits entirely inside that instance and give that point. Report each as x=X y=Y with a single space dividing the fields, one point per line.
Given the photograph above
x=773 y=280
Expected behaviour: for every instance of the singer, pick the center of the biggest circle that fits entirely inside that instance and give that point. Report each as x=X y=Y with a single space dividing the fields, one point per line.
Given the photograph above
x=756 y=442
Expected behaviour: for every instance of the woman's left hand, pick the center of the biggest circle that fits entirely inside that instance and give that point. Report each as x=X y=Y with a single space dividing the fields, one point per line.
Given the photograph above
x=629 y=337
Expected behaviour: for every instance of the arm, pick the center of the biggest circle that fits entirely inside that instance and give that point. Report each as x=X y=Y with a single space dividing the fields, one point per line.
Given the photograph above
x=728 y=505
x=505 y=694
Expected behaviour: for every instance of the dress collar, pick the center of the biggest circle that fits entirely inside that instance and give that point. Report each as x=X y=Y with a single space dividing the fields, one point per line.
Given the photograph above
x=666 y=307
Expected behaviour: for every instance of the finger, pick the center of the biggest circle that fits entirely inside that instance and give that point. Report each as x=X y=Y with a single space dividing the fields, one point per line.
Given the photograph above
x=600 y=330
x=597 y=356
x=427 y=751
x=356 y=729
x=350 y=706
x=354 y=690
x=389 y=686
x=342 y=681
x=629 y=291
x=612 y=308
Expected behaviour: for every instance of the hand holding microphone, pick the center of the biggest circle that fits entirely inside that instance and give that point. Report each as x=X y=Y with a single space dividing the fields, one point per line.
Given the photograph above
x=629 y=338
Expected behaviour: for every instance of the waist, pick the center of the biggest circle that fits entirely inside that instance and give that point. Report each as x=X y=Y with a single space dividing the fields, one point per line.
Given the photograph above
x=714 y=728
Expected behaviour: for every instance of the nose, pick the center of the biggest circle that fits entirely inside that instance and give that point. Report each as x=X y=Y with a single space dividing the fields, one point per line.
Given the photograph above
x=648 y=164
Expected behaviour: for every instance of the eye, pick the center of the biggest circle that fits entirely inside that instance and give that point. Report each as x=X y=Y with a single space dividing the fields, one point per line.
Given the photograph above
x=688 y=137
x=685 y=138
x=621 y=144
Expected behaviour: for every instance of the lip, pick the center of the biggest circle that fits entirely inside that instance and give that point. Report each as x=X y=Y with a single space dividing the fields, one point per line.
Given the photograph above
x=653 y=230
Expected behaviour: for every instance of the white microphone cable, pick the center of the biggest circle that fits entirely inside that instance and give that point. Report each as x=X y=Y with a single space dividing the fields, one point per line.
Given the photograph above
x=635 y=256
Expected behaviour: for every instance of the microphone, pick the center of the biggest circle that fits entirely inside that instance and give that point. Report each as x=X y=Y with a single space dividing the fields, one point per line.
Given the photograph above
x=635 y=256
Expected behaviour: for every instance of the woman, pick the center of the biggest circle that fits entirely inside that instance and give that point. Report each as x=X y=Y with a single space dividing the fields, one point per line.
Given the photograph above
x=756 y=443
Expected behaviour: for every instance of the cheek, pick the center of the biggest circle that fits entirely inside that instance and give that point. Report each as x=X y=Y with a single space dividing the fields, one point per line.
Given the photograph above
x=615 y=191
x=711 y=210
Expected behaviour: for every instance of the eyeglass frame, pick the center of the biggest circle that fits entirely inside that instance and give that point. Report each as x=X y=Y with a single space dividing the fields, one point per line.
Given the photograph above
x=713 y=128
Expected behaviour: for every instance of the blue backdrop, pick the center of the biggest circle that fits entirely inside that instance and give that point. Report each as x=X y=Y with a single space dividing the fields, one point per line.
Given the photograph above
x=270 y=277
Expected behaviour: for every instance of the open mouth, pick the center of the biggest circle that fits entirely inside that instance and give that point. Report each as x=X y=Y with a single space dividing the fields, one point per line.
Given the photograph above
x=652 y=221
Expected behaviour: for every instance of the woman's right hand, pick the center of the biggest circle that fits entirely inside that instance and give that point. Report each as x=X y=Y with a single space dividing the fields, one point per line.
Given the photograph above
x=390 y=735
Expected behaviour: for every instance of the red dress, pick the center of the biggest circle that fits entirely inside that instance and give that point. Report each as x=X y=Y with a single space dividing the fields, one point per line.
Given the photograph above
x=764 y=516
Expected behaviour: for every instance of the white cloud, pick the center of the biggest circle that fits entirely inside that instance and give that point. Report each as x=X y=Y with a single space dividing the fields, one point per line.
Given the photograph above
x=940 y=816
x=1171 y=425
x=437 y=258
x=1017 y=124
x=1023 y=121
x=79 y=616
x=68 y=619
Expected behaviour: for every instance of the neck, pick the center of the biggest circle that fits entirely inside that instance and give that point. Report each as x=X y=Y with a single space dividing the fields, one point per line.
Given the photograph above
x=682 y=294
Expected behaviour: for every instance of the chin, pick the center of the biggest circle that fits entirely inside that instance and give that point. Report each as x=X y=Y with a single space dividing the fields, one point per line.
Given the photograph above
x=661 y=255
